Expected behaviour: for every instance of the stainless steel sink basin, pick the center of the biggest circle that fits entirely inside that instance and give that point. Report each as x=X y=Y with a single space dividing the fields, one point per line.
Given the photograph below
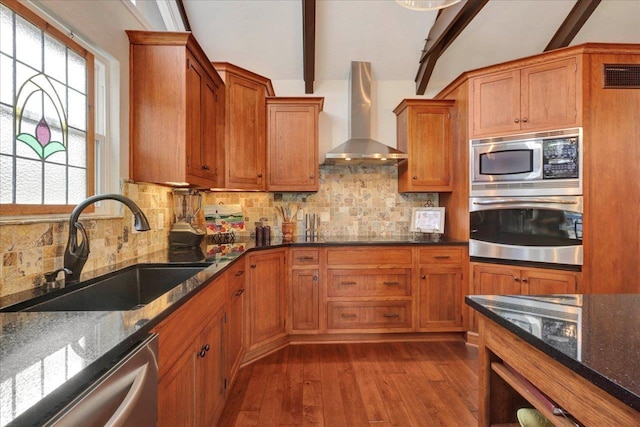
x=125 y=289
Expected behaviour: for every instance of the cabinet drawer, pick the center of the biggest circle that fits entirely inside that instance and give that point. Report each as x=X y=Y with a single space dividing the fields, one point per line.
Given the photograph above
x=379 y=282
x=442 y=255
x=369 y=255
x=369 y=315
x=305 y=256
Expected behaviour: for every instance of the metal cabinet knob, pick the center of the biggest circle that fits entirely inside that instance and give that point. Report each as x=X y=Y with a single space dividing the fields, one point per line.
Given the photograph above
x=517 y=279
x=525 y=120
x=516 y=120
x=525 y=280
x=253 y=266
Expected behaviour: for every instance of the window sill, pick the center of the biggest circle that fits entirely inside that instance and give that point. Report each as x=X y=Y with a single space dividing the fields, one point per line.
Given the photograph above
x=39 y=219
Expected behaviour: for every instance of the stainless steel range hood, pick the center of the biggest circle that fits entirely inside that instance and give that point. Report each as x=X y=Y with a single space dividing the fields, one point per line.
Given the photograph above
x=360 y=148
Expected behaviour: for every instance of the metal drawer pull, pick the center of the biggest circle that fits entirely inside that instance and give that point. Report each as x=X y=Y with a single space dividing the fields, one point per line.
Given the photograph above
x=305 y=258
x=442 y=256
x=348 y=316
x=239 y=292
x=348 y=283
x=391 y=283
x=391 y=315
x=239 y=273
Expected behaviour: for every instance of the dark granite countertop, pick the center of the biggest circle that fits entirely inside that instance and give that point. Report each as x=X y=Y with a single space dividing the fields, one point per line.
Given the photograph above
x=597 y=336
x=47 y=358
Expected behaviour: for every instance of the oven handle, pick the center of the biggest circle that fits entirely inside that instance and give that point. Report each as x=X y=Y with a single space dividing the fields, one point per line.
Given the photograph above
x=519 y=202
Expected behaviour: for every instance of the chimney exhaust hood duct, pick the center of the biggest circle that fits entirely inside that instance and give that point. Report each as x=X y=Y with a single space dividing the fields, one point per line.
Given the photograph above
x=360 y=148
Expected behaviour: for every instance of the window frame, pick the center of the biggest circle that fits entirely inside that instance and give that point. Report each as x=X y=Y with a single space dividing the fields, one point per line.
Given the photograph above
x=43 y=209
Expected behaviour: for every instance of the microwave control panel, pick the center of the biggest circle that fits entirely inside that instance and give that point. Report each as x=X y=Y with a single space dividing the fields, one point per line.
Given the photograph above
x=560 y=158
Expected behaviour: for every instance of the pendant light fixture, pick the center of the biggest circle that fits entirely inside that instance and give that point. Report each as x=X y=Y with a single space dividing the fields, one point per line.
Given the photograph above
x=421 y=5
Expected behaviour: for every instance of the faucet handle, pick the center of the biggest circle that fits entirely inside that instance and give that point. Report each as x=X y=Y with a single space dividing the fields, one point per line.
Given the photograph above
x=51 y=276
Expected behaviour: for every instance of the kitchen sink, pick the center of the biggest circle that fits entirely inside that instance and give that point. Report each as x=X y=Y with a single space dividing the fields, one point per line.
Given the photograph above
x=126 y=289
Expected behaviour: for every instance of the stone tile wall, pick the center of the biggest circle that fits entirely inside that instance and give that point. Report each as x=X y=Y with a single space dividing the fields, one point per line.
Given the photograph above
x=352 y=201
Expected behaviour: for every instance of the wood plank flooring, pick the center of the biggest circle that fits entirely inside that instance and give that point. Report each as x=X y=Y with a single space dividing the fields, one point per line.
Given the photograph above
x=418 y=384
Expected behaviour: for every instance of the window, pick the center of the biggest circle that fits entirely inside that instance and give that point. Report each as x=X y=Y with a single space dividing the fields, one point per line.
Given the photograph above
x=46 y=116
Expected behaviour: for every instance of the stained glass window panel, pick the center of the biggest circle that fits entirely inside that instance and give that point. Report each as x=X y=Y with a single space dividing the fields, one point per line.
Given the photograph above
x=55 y=59
x=77 y=110
x=77 y=148
x=6 y=176
x=6 y=80
x=77 y=185
x=55 y=184
x=43 y=114
x=77 y=72
x=32 y=113
x=28 y=43
x=6 y=30
x=28 y=181
x=6 y=130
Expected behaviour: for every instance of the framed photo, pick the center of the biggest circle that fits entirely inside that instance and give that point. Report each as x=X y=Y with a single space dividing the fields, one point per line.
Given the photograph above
x=427 y=220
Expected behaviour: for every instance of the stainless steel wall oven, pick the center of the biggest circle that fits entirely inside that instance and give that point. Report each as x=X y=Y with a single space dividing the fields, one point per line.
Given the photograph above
x=540 y=229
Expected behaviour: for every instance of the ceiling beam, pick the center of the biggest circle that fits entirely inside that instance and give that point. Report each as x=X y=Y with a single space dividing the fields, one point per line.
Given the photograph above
x=183 y=15
x=572 y=24
x=449 y=24
x=309 y=43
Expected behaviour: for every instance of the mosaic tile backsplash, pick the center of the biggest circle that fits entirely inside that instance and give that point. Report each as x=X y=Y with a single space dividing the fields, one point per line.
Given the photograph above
x=352 y=201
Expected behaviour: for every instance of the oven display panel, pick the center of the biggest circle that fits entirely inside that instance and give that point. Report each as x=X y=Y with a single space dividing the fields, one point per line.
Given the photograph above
x=560 y=158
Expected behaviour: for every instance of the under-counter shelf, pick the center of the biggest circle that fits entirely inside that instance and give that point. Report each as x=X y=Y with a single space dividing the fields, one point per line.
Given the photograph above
x=524 y=388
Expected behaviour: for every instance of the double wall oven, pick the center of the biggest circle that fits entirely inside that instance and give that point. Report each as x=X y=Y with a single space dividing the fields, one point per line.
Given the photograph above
x=526 y=197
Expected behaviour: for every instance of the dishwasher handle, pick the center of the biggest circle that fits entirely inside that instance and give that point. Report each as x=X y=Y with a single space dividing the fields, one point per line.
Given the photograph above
x=122 y=414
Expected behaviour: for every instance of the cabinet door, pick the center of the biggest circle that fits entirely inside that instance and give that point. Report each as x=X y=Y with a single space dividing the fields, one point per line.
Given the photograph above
x=440 y=299
x=235 y=321
x=246 y=134
x=267 y=298
x=176 y=393
x=210 y=383
x=194 y=116
x=292 y=153
x=491 y=279
x=548 y=95
x=209 y=148
x=305 y=299
x=424 y=130
x=542 y=282
x=496 y=103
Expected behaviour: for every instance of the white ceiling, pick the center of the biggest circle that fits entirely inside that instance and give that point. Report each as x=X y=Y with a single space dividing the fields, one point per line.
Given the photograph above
x=265 y=36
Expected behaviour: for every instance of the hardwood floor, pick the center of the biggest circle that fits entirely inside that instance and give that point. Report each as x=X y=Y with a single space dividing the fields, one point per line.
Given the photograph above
x=378 y=384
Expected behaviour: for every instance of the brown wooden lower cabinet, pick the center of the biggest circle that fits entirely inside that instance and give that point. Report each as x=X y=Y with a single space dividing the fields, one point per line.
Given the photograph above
x=440 y=296
x=200 y=349
x=266 y=289
x=305 y=300
x=498 y=279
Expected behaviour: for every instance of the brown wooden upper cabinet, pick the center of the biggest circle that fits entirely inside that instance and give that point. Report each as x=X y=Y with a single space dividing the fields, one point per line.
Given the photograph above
x=536 y=97
x=245 y=127
x=424 y=131
x=292 y=143
x=176 y=111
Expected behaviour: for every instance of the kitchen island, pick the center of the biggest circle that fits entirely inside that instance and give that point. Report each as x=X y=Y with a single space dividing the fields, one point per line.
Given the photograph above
x=579 y=351
x=47 y=358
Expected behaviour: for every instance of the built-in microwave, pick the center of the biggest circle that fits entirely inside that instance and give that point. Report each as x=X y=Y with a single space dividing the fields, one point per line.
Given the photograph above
x=533 y=164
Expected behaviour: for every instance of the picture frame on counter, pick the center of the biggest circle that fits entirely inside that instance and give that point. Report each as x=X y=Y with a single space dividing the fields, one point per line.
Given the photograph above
x=427 y=220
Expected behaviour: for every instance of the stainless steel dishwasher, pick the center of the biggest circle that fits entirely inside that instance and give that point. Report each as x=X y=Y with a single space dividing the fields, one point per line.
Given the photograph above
x=127 y=395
